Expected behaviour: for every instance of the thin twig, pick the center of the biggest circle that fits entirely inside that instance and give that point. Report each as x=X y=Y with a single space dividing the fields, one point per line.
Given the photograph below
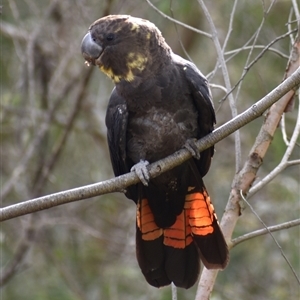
x=232 y=102
x=174 y=291
x=178 y=22
x=260 y=55
x=293 y=162
x=245 y=70
x=14 y=32
x=289 y=25
x=178 y=36
x=230 y=26
x=250 y=65
x=263 y=231
x=274 y=239
x=296 y=10
x=283 y=131
x=244 y=48
x=217 y=86
x=284 y=161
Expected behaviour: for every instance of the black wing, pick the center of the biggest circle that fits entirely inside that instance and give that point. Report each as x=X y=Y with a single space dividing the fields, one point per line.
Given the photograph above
x=200 y=92
x=116 y=122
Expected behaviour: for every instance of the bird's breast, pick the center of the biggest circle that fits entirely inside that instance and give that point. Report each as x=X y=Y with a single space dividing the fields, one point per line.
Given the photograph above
x=159 y=132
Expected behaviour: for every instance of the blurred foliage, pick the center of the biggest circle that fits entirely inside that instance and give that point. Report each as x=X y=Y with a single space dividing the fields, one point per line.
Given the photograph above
x=53 y=138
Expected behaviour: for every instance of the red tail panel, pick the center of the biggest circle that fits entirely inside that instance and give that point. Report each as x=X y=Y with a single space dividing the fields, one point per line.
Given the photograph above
x=145 y=222
x=201 y=213
x=179 y=234
x=170 y=254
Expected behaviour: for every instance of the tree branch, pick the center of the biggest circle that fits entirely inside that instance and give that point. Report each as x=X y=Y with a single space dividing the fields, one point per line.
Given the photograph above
x=121 y=182
x=221 y=61
x=178 y=22
x=255 y=60
x=284 y=161
x=263 y=231
x=274 y=239
x=245 y=48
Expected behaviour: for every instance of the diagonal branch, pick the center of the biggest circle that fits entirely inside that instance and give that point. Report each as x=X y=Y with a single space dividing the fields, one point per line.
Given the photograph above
x=284 y=161
x=221 y=60
x=274 y=239
x=178 y=22
x=120 y=183
x=263 y=231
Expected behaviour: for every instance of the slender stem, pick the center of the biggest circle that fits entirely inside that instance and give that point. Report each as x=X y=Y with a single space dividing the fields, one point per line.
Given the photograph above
x=263 y=231
x=274 y=239
x=174 y=291
x=284 y=161
x=178 y=22
x=225 y=73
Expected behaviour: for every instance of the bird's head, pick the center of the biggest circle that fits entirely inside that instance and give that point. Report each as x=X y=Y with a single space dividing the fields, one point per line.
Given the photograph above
x=123 y=46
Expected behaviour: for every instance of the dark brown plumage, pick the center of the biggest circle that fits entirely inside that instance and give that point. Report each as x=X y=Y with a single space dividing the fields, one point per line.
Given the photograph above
x=160 y=103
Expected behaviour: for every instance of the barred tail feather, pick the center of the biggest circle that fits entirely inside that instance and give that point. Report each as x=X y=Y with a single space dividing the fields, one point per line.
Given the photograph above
x=166 y=255
x=206 y=231
x=173 y=254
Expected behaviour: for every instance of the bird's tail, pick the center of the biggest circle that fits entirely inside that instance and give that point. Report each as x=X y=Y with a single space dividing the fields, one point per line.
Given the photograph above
x=172 y=254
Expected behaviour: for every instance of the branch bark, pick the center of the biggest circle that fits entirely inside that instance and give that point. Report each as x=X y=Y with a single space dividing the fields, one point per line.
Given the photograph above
x=120 y=183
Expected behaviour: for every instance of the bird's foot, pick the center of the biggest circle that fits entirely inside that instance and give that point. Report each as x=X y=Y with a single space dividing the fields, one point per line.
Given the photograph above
x=190 y=145
x=141 y=171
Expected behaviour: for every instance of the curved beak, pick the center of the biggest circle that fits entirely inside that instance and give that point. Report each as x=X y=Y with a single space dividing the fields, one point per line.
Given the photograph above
x=90 y=49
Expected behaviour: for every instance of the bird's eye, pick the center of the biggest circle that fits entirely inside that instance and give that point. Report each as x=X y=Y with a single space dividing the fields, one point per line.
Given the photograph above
x=110 y=37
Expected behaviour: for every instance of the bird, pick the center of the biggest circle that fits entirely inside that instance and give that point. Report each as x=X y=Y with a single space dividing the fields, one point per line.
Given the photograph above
x=160 y=103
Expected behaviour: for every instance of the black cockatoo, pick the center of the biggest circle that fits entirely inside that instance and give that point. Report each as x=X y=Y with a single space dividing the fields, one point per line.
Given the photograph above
x=160 y=104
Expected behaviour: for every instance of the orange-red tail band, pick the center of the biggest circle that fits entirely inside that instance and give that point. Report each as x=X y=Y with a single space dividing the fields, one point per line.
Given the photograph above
x=201 y=213
x=145 y=222
x=179 y=234
x=195 y=219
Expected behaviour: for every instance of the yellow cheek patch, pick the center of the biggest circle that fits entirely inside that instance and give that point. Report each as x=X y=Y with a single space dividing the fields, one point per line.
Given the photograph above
x=129 y=76
x=110 y=74
x=117 y=78
x=136 y=61
x=135 y=27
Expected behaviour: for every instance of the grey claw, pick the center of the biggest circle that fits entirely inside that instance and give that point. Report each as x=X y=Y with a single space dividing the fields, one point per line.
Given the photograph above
x=191 y=146
x=141 y=171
